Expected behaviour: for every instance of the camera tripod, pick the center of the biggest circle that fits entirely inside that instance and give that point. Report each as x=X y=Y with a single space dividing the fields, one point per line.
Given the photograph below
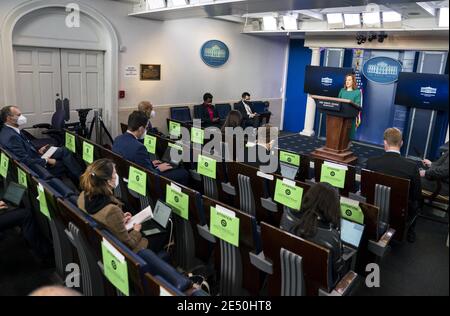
x=97 y=124
x=100 y=127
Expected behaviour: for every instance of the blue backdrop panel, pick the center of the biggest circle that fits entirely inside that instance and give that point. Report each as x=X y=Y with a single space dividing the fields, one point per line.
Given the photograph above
x=419 y=132
x=378 y=111
x=401 y=115
x=295 y=105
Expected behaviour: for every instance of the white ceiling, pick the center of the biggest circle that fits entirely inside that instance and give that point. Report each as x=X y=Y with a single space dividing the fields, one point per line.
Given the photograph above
x=311 y=13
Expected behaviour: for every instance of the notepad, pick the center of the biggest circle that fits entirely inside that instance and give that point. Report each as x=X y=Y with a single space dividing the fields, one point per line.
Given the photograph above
x=49 y=153
x=139 y=218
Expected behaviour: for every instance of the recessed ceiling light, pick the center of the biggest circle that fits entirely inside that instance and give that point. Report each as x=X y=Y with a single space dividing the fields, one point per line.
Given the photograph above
x=371 y=19
x=335 y=20
x=352 y=19
x=391 y=16
x=269 y=23
x=443 y=17
x=290 y=22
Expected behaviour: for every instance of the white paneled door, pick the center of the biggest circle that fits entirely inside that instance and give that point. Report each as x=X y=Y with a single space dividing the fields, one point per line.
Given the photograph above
x=43 y=75
x=82 y=80
x=38 y=81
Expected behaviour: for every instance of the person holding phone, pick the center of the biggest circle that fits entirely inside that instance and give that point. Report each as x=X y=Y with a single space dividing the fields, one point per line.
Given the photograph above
x=208 y=113
x=434 y=172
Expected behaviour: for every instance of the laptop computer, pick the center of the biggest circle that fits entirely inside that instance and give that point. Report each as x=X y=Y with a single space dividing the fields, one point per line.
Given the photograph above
x=288 y=171
x=351 y=233
x=14 y=194
x=173 y=160
x=158 y=224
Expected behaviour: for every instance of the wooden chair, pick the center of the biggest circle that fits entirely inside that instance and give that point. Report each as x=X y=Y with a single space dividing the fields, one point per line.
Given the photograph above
x=296 y=266
x=237 y=275
x=391 y=195
x=350 y=182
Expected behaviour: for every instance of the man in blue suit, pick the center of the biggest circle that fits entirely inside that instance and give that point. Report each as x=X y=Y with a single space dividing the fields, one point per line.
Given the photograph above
x=129 y=147
x=61 y=163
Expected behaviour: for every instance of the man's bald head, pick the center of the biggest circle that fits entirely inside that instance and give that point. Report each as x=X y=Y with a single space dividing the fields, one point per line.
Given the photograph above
x=54 y=291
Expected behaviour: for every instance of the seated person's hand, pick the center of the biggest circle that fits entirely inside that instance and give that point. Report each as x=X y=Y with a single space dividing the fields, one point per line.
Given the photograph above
x=51 y=161
x=216 y=119
x=43 y=149
x=164 y=167
x=137 y=227
x=3 y=205
x=422 y=173
x=126 y=217
x=156 y=162
x=426 y=163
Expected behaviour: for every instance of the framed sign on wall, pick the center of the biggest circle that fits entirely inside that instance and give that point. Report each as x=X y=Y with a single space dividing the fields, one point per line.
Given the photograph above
x=150 y=72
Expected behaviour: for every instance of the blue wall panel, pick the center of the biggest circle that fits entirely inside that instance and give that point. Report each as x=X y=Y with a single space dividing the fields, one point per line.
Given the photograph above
x=295 y=105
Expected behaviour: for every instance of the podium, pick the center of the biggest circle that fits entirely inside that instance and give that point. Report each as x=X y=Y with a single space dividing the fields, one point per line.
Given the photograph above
x=340 y=115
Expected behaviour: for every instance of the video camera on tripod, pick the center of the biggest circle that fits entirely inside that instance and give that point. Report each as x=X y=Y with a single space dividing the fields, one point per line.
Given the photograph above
x=96 y=125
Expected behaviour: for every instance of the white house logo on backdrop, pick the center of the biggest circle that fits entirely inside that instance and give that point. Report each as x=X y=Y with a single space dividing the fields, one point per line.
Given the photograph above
x=215 y=53
x=428 y=92
x=383 y=70
x=326 y=81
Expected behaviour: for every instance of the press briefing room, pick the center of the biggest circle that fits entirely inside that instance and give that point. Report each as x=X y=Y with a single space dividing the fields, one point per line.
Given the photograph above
x=246 y=149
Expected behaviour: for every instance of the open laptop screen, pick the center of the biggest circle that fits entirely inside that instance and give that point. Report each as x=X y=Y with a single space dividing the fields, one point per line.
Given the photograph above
x=172 y=159
x=14 y=193
x=288 y=171
x=351 y=232
x=161 y=214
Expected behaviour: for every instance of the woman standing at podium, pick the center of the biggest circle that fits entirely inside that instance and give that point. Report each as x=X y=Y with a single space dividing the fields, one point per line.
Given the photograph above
x=352 y=93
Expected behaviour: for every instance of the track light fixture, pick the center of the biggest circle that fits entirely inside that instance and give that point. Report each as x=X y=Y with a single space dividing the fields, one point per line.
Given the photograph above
x=361 y=38
x=372 y=36
x=381 y=37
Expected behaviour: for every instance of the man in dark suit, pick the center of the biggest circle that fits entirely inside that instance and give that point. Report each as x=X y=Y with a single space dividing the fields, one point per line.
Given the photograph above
x=392 y=163
x=249 y=116
x=208 y=113
x=436 y=171
x=130 y=148
x=11 y=217
x=59 y=164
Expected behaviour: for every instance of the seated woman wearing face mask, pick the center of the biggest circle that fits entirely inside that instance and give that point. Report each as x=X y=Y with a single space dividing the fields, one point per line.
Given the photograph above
x=96 y=199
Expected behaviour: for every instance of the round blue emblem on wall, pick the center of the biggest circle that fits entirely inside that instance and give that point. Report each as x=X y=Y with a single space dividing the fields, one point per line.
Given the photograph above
x=215 y=53
x=383 y=70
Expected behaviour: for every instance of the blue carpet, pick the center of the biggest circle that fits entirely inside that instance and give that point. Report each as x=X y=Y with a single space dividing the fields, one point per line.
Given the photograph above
x=305 y=145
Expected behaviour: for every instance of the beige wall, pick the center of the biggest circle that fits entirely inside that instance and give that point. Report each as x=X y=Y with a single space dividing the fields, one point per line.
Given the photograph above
x=256 y=64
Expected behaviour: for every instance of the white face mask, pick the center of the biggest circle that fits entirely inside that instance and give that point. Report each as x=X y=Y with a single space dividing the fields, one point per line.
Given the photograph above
x=152 y=114
x=116 y=182
x=22 y=120
x=143 y=135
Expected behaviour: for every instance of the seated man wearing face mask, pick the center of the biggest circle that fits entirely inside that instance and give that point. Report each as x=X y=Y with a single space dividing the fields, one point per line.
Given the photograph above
x=129 y=147
x=147 y=108
x=61 y=162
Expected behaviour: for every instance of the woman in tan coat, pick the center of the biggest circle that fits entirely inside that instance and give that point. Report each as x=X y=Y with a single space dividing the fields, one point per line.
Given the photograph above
x=98 y=183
